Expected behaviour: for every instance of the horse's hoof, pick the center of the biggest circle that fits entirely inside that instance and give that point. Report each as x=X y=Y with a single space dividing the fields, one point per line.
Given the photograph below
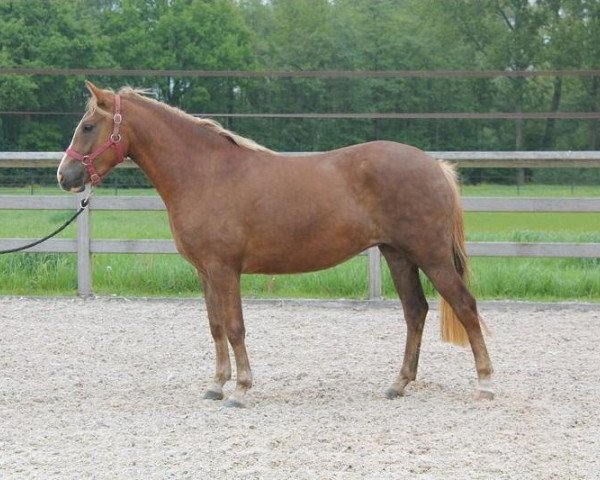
x=212 y=395
x=391 y=393
x=484 y=395
x=233 y=403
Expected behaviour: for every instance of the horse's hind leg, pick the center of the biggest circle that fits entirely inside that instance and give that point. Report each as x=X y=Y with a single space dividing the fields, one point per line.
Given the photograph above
x=451 y=286
x=406 y=280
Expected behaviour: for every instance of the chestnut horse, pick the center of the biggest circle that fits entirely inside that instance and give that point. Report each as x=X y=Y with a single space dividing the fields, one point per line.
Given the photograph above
x=236 y=207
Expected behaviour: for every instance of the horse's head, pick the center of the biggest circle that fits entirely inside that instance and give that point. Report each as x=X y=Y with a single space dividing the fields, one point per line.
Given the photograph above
x=98 y=143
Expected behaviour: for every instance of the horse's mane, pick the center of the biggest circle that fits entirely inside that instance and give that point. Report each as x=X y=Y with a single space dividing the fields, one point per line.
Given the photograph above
x=213 y=125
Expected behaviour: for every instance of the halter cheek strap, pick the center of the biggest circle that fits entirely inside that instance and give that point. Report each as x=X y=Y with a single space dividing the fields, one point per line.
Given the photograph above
x=114 y=141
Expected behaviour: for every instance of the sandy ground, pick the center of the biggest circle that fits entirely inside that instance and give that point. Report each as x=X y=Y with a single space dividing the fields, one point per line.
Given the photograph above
x=112 y=389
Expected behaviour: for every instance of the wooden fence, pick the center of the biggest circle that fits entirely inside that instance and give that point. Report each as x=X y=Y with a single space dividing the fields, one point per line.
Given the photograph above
x=84 y=245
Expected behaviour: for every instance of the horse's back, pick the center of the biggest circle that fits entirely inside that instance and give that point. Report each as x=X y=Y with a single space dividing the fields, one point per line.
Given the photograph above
x=385 y=173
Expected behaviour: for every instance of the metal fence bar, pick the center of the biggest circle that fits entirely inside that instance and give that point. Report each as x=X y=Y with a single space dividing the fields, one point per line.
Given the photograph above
x=456 y=115
x=121 y=72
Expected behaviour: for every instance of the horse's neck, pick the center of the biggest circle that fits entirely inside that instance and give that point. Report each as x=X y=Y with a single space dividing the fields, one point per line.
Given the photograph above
x=172 y=152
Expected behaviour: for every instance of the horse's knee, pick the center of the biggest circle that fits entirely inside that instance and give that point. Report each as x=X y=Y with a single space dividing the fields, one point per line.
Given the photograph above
x=236 y=334
x=216 y=330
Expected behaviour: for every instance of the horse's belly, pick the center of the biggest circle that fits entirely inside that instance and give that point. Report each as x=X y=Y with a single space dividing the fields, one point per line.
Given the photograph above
x=302 y=257
x=294 y=264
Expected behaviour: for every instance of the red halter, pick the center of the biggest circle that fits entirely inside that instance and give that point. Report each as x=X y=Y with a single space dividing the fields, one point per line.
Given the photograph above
x=114 y=141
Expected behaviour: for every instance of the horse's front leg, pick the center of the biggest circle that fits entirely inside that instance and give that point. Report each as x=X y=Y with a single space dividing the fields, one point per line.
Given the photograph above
x=217 y=329
x=224 y=307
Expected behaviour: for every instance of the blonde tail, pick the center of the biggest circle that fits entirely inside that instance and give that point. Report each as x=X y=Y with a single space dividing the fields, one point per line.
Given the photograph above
x=452 y=328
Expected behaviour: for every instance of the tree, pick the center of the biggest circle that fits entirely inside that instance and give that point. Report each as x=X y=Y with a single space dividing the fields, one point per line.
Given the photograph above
x=38 y=33
x=183 y=35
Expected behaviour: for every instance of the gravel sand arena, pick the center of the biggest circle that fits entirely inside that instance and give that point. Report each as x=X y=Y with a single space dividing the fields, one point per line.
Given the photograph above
x=112 y=389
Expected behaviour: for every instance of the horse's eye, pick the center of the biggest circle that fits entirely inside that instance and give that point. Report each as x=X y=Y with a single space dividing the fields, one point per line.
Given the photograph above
x=88 y=127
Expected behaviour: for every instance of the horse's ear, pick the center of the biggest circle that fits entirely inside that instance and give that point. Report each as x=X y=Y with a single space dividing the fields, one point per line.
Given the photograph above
x=99 y=94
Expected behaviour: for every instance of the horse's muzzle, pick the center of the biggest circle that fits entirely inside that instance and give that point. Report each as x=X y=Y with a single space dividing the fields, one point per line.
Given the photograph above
x=72 y=178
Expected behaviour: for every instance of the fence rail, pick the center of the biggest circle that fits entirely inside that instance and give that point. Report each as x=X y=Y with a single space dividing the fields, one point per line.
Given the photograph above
x=118 y=72
x=85 y=246
x=556 y=159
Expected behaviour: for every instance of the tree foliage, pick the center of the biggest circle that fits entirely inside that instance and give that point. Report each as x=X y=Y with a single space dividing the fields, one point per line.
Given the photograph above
x=313 y=35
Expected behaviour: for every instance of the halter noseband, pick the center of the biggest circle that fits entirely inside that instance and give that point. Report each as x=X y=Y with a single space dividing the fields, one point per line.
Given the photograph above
x=114 y=141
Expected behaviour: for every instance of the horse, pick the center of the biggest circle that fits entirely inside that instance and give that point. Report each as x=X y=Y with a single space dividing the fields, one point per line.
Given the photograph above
x=235 y=207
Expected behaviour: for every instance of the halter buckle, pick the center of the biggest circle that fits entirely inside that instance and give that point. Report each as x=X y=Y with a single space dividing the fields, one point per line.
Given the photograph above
x=86 y=160
x=115 y=137
x=95 y=178
x=117 y=118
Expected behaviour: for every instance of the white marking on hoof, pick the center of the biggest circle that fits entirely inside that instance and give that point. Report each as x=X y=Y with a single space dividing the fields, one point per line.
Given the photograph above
x=485 y=390
x=392 y=393
x=236 y=399
x=233 y=403
x=212 y=395
x=484 y=395
x=214 y=392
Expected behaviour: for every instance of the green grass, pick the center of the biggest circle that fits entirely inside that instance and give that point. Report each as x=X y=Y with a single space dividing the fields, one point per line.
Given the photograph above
x=537 y=279
x=534 y=226
x=170 y=275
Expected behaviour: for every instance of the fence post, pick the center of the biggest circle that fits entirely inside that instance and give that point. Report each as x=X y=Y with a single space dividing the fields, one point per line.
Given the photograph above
x=374 y=273
x=84 y=258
